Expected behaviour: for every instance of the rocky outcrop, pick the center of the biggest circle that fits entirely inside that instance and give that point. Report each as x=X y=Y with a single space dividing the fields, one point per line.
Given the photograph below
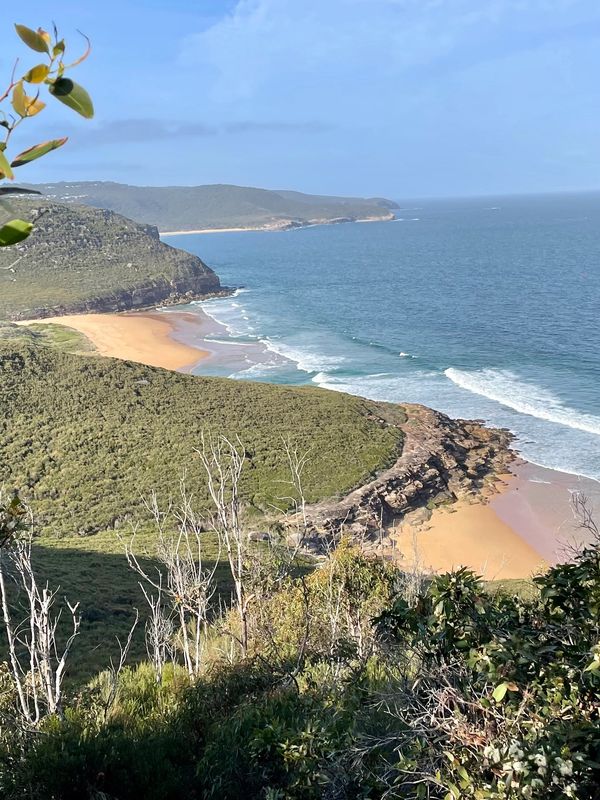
x=442 y=460
x=82 y=259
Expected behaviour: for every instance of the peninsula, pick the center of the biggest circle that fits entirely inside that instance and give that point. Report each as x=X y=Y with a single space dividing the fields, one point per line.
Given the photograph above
x=219 y=207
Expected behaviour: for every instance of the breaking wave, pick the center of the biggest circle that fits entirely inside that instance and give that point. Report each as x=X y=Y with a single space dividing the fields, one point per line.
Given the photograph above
x=507 y=389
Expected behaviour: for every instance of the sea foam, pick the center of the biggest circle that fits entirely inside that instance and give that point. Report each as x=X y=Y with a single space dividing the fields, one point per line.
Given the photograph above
x=306 y=360
x=509 y=390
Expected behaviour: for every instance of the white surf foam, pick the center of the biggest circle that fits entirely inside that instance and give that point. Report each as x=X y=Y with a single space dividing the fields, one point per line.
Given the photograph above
x=307 y=360
x=507 y=389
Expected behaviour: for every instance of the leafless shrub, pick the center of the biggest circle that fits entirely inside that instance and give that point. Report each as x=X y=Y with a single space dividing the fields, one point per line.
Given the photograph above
x=180 y=589
x=37 y=663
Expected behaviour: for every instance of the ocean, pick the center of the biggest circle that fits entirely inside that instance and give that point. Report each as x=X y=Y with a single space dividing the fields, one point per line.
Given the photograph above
x=483 y=308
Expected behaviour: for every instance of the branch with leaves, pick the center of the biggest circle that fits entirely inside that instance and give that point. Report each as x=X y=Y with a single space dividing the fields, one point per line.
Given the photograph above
x=23 y=96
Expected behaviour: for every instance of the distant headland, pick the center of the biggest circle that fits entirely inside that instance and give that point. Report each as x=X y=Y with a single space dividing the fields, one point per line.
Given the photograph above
x=220 y=207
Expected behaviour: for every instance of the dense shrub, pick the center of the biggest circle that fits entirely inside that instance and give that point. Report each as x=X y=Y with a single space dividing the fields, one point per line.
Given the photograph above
x=453 y=693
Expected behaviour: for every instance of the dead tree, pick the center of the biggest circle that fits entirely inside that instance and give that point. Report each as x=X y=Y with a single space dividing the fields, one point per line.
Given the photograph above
x=223 y=462
x=181 y=588
x=37 y=665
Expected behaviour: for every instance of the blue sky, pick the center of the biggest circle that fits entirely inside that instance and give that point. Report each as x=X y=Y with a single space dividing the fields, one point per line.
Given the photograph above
x=401 y=98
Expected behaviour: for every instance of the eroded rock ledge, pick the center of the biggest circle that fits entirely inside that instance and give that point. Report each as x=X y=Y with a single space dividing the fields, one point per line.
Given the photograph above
x=442 y=460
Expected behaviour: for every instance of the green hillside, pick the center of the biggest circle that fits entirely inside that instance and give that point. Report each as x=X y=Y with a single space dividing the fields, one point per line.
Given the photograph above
x=173 y=208
x=84 y=439
x=82 y=259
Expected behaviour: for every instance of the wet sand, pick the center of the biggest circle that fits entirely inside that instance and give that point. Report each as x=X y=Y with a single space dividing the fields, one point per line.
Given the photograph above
x=516 y=529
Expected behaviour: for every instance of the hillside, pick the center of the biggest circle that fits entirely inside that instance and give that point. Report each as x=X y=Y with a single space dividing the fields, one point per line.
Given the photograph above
x=80 y=259
x=181 y=208
x=84 y=439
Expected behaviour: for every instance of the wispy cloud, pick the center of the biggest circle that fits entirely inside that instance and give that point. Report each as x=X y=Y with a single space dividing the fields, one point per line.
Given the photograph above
x=128 y=131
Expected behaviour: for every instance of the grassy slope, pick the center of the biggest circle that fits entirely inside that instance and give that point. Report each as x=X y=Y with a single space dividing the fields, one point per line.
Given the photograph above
x=85 y=438
x=216 y=206
x=47 y=333
x=79 y=255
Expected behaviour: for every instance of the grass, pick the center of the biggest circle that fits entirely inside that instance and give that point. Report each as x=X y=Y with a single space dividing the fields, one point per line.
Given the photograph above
x=80 y=259
x=84 y=440
x=94 y=572
x=48 y=334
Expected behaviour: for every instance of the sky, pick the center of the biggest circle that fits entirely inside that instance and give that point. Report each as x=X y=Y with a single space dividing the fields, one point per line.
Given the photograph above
x=394 y=98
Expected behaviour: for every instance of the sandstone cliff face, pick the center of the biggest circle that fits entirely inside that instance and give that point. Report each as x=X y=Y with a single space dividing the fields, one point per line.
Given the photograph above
x=82 y=259
x=442 y=460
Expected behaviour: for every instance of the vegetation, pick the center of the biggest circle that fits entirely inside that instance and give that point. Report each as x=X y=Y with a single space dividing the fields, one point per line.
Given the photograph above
x=348 y=681
x=84 y=440
x=361 y=682
x=176 y=208
x=83 y=259
x=50 y=73
x=47 y=333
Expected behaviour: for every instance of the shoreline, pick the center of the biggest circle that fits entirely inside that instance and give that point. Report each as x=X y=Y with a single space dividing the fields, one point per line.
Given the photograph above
x=276 y=228
x=519 y=523
x=143 y=337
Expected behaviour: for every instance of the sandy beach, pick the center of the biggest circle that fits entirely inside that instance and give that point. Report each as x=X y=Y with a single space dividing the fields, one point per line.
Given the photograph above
x=144 y=337
x=519 y=525
x=471 y=535
x=515 y=530
x=211 y=230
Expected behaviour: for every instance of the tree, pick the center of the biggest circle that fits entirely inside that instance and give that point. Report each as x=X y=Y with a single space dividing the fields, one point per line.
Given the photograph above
x=37 y=665
x=17 y=105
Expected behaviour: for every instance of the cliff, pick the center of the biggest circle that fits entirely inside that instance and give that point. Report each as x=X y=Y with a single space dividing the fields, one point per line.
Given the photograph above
x=442 y=460
x=82 y=259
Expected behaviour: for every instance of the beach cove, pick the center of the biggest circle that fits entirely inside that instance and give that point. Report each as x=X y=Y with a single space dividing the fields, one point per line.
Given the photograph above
x=519 y=524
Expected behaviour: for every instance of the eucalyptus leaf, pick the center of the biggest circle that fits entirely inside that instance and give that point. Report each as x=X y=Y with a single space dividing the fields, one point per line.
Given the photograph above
x=499 y=692
x=14 y=232
x=5 y=168
x=16 y=190
x=37 y=151
x=32 y=39
x=37 y=74
x=73 y=95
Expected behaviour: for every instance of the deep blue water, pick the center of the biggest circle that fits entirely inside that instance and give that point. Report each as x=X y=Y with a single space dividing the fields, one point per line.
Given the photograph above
x=480 y=308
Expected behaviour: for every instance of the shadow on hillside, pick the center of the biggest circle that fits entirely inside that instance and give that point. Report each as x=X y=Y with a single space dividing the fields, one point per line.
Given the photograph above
x=108 y=593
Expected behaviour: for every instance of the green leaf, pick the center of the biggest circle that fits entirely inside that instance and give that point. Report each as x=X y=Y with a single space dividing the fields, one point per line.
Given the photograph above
x=37 y=151
x=37 y=74
x=73 y=95
x=5 y=169
x=499 y=692
x=16 y=190
x=32 y=39
x=14 y=231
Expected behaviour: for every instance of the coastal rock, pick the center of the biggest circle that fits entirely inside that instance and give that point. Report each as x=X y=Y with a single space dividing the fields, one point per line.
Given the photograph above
x=442 y=460
x=81 y=259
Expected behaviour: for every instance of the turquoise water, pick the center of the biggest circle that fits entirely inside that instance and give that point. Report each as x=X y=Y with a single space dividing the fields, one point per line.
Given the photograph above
x=482 y=309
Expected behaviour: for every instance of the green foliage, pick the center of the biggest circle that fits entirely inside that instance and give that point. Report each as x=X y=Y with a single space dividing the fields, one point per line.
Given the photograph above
x=522 y=678
x=355 y=584
x=14 y=232
x=50 y=74
x=463 y=694
x=47 y=333
x=81 y=259
x=174 y=208
x=84 y=440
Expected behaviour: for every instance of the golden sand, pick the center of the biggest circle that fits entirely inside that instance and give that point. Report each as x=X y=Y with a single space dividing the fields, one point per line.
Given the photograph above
x=469 y=535
x=142 y=337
